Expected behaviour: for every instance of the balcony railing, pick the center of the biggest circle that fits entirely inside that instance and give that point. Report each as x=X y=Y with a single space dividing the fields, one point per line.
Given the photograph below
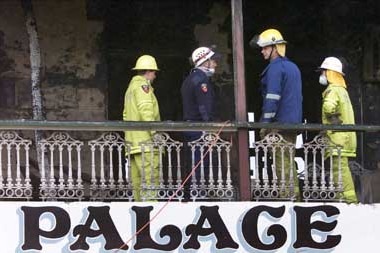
x=96 y=166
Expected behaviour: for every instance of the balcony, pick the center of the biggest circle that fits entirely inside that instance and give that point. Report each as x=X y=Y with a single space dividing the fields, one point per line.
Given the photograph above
x=90 y=161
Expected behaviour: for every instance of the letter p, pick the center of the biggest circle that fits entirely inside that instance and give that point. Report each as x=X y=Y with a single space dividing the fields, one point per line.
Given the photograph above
x=32 y=230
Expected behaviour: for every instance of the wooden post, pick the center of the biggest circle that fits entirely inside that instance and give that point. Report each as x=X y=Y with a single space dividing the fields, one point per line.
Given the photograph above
x=240 y=99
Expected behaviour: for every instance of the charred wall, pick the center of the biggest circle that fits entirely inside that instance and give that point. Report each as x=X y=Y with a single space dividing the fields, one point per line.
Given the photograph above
x=170 y=31
x=73 y=73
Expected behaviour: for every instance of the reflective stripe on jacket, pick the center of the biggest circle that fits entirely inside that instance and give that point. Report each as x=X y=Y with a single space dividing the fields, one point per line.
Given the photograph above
x=282 y=92
x=336 y=102
x=140 y=104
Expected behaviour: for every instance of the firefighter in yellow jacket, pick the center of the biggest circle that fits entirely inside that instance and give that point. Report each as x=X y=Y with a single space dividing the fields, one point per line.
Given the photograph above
x=337 y=109
x=140 y=104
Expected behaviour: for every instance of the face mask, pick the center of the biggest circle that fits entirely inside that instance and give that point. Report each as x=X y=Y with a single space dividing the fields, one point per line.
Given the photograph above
x=208 y=71
x=323 y=80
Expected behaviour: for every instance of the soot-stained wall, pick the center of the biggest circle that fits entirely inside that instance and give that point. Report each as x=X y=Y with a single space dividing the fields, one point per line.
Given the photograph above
x=170 y=31
x=73 y=80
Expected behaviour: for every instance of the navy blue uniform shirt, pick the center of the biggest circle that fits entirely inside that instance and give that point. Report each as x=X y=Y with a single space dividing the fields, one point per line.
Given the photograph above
x=198 y=97
x=282 y=92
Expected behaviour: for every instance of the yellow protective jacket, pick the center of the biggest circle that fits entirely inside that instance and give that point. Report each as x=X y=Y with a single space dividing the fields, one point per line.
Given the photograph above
x=140 y=104
x=336 y=102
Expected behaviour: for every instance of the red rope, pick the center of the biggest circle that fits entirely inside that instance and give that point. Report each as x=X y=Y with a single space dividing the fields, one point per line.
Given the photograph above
x=176 y=192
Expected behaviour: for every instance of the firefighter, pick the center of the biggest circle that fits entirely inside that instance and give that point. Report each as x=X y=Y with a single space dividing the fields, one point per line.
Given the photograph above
x=337 y=109
x=281 y=87
x=140 y=104
x=198 y=96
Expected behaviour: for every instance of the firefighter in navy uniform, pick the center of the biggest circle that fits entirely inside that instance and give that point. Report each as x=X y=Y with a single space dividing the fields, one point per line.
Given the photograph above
x=198 y=96
x=282 y=93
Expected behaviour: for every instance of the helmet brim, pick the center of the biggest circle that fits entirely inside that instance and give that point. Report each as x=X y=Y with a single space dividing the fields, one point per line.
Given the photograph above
x=319 y=69
x=254 y=40
x=145 y=69
x=216 y=56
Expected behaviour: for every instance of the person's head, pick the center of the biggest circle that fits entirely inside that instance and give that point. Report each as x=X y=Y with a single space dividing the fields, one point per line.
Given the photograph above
x=331 y=71
x=206 y=58
x=146 y=66
x=272 y=44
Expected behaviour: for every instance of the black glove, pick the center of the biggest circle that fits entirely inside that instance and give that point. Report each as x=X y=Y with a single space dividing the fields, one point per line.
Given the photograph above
x=335 y=120
x=263 y=132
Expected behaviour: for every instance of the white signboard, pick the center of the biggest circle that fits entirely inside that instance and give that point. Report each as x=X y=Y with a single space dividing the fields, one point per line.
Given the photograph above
x=188 y=227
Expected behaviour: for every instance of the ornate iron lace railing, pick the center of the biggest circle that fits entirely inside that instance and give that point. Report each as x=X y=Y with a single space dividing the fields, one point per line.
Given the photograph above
x=110 y=182
x=15 y=181
x=319 y=181
x=61 y=172
x=277 y=171
x=167 y=153
x=99 y=169
x=61 y=176
x=213 y=180
x=276 y=178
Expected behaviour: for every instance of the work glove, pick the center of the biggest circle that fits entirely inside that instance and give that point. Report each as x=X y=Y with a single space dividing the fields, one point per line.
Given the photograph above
x=263 y=132
x=335 y=120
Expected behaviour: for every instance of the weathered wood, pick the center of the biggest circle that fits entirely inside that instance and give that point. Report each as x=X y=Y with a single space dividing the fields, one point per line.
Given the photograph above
x=240 y=99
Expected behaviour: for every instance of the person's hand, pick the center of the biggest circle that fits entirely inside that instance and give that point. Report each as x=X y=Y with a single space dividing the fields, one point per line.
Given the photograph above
x=335 y=120
x=263 y=132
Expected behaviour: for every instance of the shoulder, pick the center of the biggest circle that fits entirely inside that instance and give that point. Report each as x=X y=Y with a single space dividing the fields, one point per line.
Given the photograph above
x=273 y=68
x=287 y=63
x=330 y=91
x=138 y=80
x=198 y=77
x=140 y=84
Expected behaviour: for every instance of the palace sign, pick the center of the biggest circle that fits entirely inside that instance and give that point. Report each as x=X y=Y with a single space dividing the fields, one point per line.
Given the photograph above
x=188 y=227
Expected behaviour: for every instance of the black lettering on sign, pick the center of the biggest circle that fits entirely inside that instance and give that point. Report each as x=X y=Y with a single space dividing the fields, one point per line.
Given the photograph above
x=217 y=227
x=304 y=227
x=144 y=239
x=32 y=230
x=106 y=226
x=251 y=235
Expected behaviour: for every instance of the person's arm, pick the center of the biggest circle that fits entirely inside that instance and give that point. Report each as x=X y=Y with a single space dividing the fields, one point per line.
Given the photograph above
x=272 y=95
x=144 y=102
x=330 y=107
x=204 y=98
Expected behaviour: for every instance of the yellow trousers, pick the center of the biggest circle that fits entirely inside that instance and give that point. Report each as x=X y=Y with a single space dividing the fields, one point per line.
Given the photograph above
x=288 y=161
x=150 y=169
x=349 y=193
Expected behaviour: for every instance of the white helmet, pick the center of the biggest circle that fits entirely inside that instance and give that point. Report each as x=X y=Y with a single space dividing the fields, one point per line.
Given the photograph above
x=332 y=63
x=200 y=55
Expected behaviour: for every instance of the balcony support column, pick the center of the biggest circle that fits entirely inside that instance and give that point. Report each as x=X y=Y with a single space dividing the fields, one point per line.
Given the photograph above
x=240 y=99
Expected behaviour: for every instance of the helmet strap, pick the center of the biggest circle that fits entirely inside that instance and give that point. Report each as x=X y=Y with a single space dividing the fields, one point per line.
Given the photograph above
x=273 y=47
x=271 y=51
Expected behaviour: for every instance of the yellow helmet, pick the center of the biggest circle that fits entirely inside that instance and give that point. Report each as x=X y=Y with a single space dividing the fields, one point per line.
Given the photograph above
x=146 y=62
x=270 y=37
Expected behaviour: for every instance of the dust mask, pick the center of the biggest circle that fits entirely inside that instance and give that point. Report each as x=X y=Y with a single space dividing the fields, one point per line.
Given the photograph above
x=208 y=71
x=323 y=80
